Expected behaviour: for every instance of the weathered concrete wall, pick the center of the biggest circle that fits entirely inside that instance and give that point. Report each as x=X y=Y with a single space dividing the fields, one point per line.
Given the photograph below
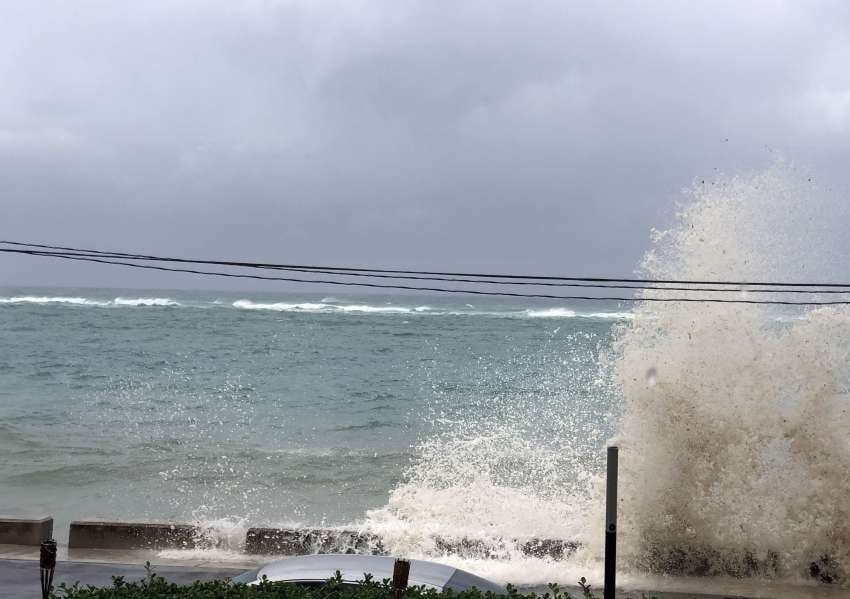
x=481 y=549
x=132 y=535
x=276 y=541
x=22 y=531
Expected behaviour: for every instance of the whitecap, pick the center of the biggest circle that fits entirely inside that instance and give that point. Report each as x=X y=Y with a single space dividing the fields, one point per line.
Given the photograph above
x=31 y=299
x=319 y=307
x=551 y=313
x=608 y=315
x=145 y=301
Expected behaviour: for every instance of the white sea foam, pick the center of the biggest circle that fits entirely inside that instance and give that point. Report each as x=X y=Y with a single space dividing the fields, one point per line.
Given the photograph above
x=83 y=301
x=551 y=313
x=219 y=539
x=326 y=306
x=320 y=307
x=145 y=301
x=568 y=313
x=612 y=315
x=32 y=299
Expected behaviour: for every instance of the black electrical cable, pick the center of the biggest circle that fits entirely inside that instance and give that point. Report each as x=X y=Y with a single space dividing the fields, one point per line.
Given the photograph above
x=453 y=279
x=94 y=254
x=435 y=289
x=434 y=273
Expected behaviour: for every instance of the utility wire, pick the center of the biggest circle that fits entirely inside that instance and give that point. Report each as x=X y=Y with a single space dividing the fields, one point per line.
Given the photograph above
x=454 y=279
x=109 y=260
x=94 y=254
x=344 y=269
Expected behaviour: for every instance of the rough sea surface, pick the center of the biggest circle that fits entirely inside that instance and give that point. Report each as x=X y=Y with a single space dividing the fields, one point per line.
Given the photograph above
x=272 y=408
x=420 y=418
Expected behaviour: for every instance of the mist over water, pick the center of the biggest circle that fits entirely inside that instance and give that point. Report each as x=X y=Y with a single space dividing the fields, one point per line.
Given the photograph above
x=428 y=419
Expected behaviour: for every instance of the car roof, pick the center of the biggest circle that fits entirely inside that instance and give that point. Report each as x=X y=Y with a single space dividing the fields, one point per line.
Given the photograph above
x=352 y=568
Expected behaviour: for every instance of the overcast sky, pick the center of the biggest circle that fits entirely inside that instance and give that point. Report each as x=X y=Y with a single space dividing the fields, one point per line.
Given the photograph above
x=543 y=137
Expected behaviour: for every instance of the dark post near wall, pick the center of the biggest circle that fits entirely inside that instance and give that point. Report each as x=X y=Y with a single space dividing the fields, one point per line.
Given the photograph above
x=611 y=524
x=401 y=574
x=47 y=565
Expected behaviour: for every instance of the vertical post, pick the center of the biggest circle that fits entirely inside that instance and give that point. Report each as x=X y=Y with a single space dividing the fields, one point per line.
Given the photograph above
x=47 y=564
x=611 y=524
x=401 y=573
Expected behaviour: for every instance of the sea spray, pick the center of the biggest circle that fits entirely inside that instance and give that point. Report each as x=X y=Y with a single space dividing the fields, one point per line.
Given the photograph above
x=736 y=428
x=732 y=419
x=510 y=461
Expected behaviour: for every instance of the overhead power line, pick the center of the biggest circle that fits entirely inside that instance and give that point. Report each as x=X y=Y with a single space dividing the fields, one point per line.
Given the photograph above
x=347 y=269
x=461 y=279
x=111 y=258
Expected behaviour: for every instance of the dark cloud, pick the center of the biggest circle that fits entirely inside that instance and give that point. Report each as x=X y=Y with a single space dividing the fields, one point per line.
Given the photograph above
x=544 y=136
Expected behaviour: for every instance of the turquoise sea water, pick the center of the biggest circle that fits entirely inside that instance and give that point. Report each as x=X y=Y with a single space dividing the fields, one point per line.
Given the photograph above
x=277 y=408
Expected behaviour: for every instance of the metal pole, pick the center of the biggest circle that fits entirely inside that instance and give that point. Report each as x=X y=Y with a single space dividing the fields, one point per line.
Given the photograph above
x=47 y=564
x=611 y=525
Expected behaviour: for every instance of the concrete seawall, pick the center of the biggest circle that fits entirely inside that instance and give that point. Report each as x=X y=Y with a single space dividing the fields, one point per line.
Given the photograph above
x=291 y=541
x=276 y=541
x=132 y=535
x=22 y=531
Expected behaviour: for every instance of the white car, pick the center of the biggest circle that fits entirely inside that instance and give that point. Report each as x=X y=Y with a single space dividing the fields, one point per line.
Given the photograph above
x=310 y=570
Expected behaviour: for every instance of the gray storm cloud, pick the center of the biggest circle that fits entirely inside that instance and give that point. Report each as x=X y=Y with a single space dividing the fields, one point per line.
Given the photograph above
x=532 y=137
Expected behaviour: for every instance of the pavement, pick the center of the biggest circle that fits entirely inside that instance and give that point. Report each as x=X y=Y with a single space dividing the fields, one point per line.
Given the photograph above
x=19 y=575
x=19 y=579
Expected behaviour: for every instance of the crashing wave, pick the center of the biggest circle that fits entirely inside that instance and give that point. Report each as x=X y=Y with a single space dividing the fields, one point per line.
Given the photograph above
x=733 y=419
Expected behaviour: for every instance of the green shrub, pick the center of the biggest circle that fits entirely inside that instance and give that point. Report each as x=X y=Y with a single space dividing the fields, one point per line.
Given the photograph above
x=156 y=587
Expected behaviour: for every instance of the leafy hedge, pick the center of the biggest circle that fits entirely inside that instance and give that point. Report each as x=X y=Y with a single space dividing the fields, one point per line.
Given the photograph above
x=156 y=587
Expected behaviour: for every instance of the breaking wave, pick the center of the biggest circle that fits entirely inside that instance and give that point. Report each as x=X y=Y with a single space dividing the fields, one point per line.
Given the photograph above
x=321 y=307
x=144 y=301
x=735 y=434
x=325 y=306
x=552 y=313
x=567 y=313
x=31 y=299
x=733 y=420
x=82 y=301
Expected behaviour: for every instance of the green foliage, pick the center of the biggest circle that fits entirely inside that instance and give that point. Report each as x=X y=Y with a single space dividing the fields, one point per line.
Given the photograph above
x=156 y=587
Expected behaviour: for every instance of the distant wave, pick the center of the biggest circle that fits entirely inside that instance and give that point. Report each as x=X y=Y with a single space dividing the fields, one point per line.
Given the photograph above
x=327 y=305
x=551 y=313
x=145 y=301
x=33 y=299
x=320 y=307
x=337 y=308
x=611 y=315
x=567 y=313
x=82 y=301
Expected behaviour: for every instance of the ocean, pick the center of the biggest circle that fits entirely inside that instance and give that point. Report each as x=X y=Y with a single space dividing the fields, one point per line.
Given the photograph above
x=421 y=418
x=276 y=409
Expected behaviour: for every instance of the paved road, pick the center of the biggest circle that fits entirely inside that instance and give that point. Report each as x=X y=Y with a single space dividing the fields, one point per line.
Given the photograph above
x=19 y=579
